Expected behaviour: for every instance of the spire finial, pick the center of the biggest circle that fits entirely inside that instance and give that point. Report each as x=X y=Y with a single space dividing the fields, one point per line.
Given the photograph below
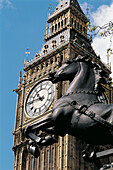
x=49 y=10
x=27 y=52
x=89 y=26
x=87 y=9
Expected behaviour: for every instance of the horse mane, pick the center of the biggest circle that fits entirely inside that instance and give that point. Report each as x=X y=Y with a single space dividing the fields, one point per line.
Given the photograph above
x=99 y=73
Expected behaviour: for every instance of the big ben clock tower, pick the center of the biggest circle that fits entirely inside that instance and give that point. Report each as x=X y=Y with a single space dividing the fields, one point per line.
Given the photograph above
x=66 y=37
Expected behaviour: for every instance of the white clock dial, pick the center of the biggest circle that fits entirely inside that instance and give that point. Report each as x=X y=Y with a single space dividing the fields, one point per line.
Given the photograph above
x=39 y=98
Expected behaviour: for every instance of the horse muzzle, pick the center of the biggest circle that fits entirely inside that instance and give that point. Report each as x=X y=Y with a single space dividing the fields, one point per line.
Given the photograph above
x=53 y=77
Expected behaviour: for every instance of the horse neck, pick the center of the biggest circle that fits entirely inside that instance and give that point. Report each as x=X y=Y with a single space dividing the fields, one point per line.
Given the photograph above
x=84 y=80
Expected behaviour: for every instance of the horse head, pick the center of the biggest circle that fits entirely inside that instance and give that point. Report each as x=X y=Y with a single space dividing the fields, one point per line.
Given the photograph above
x=79 y=71
x=66 y=72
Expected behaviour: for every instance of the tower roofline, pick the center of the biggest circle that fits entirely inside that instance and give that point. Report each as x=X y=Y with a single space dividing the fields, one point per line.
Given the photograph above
x=63 y=6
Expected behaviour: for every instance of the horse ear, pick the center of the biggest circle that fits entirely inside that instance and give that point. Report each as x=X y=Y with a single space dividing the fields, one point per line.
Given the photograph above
x=87 y=58
x=96 y=66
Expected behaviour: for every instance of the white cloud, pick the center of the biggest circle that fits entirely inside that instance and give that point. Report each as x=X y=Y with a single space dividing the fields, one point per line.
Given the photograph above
x=103 y=15
x=9 y=4
x=1 y=4
x=6 y=4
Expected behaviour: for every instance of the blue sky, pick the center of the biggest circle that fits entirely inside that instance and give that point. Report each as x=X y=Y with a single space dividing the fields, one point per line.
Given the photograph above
x=22 y=26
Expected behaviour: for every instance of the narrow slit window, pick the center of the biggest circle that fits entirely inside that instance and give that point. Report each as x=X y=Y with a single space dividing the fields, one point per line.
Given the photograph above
x=47 y=159
x=72 y=21
x=62 y=23
x=59 y=25
x=53 y=29
x=56 y=27
x=53 y=158
x=37 y=163
x=75 y=24
x=81 y=28
x=65 y=21
x=32 y=163
x=78 y=26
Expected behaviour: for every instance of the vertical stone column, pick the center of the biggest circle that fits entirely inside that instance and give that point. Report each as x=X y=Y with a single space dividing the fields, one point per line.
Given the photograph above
x=56 y=156
x=73 y=154
x=42 y=160
x=16 y=158
x=20 y=158
x=21 y=107
x=27 y=159
x=60 y=153
x=14 y=140
x=66 y=152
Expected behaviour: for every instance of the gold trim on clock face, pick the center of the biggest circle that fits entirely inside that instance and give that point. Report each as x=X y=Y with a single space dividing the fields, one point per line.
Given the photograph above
x=39 y=99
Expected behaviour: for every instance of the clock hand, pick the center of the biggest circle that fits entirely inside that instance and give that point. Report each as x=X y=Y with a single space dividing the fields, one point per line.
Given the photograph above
x=40 y=98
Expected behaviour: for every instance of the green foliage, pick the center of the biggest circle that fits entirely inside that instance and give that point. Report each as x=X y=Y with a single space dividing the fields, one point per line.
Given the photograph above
x=109 y=49
x=101 y=34
x=104 y=31
x=88 y=23
x=93 y=28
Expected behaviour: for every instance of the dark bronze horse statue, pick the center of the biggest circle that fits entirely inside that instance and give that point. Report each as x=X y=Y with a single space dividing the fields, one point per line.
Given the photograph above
x=79 y=112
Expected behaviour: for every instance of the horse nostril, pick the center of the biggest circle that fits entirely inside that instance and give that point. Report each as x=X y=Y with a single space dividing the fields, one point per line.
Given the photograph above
x=52 y=74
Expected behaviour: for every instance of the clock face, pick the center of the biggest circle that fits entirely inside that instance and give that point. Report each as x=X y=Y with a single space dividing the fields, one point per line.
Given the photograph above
x=39 y=98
